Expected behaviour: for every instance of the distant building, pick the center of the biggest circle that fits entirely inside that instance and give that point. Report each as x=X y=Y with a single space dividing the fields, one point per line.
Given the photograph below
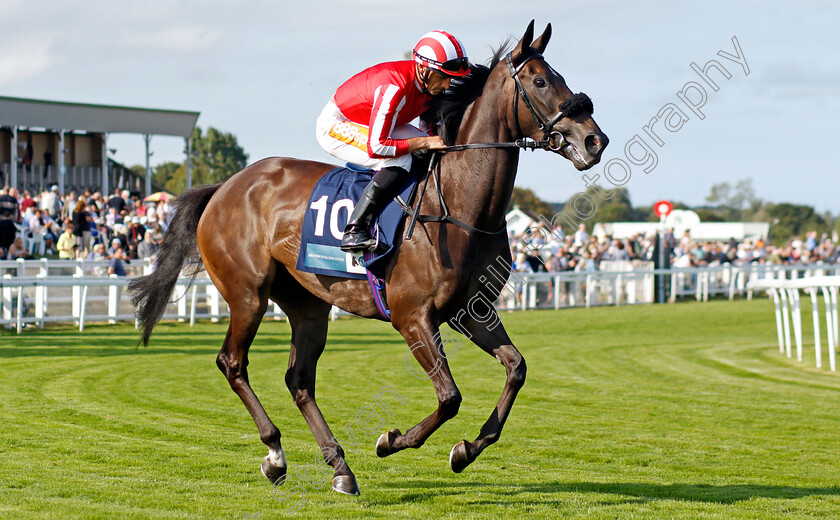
x=518 y=220
x=686 y=220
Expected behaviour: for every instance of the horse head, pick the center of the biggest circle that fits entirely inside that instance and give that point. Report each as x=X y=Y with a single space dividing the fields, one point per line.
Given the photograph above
x=544 y=108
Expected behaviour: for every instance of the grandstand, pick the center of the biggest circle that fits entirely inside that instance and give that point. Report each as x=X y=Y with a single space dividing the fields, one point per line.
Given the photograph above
x=32 y=131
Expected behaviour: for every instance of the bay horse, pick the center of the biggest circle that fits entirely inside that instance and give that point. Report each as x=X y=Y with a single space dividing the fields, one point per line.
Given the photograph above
x=248 y=234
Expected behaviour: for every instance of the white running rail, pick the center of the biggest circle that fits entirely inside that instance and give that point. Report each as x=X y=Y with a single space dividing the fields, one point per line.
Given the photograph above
x=785 y=294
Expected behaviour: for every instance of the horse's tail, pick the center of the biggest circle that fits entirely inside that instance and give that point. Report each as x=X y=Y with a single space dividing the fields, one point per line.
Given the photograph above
x=150 y=294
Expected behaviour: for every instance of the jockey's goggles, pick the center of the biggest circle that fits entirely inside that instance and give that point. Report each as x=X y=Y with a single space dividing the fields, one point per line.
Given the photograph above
x=456 y=66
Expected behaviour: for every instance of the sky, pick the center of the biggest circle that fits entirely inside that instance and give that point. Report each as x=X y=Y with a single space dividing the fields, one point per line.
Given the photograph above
x=264 y=70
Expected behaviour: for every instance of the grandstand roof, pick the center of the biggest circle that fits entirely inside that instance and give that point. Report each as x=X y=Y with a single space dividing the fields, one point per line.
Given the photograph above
x=60 y=115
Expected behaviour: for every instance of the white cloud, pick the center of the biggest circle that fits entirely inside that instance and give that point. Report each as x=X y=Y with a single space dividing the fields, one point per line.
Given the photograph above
x=23 y=61
x=174 y=39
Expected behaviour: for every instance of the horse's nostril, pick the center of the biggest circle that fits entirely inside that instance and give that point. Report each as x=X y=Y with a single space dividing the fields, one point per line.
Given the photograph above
x=594 y=144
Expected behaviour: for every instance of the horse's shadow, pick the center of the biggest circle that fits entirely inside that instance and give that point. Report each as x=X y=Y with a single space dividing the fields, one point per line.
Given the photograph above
x=635 y=492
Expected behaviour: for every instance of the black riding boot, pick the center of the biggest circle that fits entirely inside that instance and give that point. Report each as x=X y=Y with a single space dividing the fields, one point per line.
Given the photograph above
x=374 y=198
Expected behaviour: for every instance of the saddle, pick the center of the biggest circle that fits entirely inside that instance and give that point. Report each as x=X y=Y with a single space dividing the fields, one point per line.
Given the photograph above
x=330 y=204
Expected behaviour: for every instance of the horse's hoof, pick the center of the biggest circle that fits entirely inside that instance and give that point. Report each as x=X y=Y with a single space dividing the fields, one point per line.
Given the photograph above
x=345 y=484
x=385 y=444
x=458 y=457
x=276 y=474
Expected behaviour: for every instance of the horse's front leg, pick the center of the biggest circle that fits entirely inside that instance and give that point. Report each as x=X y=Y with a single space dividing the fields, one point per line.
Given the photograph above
x=422 y=335
x=495 y=342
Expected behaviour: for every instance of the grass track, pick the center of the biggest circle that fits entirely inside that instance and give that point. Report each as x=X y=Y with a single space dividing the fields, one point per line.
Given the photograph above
x=681 y=411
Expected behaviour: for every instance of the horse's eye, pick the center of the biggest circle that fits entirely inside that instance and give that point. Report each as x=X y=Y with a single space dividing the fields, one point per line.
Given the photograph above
x=539 y=82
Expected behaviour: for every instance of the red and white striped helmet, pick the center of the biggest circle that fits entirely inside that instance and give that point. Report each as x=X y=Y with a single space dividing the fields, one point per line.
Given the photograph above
x=443 y=52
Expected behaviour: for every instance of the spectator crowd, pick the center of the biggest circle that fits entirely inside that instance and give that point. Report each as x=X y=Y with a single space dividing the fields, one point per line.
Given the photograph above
x=541 y=249
x=118 y=228
x=122 y=227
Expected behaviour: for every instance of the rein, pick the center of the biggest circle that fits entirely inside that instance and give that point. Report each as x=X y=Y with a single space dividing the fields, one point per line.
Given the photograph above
x=525 y=143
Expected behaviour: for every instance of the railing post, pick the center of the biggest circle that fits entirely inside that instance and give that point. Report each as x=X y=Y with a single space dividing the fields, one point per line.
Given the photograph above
x=276 y=311
x=698 y=289
x=617 y=291
x=213 y=303
x=796 y=314
x=830 y=330
x=785 y=321
x=193 y=294
x=44 y=270
x=777 y=301
x=77 y=300
x=833 y=291
x=674 y=288
x=40 y=302
x=647 y=289
x=20 y=309
x=815 y=313
x=532 y=295
x=6 y=299
x=732 y=275
x=113 y=301
x=182 y=304
x=82 y=308
x=588 y=290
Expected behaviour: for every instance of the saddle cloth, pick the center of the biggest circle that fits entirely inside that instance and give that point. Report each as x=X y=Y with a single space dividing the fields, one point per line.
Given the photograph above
x=329 y=208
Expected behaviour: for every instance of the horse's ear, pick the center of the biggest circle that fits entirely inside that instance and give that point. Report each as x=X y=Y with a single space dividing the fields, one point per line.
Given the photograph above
x=540 y=43
x=524 y=43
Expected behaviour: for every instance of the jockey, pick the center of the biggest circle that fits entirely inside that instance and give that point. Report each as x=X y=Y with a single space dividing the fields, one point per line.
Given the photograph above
x=366 y=123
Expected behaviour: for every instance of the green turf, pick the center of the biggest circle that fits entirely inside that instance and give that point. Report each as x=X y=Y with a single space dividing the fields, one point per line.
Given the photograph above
x=677 y=411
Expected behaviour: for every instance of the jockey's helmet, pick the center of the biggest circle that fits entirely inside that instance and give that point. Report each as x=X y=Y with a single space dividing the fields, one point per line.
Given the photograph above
x=441 y=51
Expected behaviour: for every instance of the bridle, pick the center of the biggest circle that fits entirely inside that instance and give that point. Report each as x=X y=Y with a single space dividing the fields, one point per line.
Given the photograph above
x=568 y=108
x=576 y=103
x=544 y=124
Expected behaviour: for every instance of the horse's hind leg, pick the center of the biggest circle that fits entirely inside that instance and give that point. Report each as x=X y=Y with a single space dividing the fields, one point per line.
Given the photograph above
x=496 y=343
x=309 y=319
x=246 y=312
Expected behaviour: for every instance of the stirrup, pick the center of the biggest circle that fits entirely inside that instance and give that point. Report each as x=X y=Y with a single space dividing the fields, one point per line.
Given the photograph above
x=358 y=241
x=369 y=243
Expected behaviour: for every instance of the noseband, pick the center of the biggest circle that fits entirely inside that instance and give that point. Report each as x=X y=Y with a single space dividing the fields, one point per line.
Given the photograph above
x=577 y=103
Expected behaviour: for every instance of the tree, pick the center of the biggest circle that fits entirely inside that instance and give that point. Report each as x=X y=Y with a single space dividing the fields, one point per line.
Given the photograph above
x=139 y=170
x=617 y=208
x=165 y=171
x=793 y=220
x=178 y=182
x=737 y=202
x=609 y=206
x=719 y=194
x=218 y=153
x=742 y=194
x=216 y=156
x=709 y=215
x=528 y=200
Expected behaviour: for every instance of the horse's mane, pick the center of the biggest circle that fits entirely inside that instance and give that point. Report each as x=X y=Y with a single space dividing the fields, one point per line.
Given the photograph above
x=447 y=110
